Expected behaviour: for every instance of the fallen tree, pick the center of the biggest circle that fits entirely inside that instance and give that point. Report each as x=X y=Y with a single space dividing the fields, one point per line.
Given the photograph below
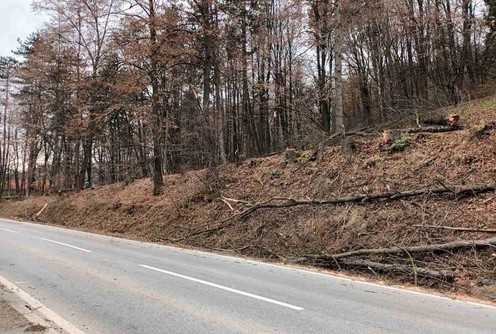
x=290 y=202
x=281 y=202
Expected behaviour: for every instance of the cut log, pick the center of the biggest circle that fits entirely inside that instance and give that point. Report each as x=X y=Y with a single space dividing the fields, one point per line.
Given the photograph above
x=452 y=120
x=432 y=129
x=389 y=135
x=445 y=275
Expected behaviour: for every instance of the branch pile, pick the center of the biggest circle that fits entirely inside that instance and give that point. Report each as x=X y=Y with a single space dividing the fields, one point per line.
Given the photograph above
x=350 y=258
x=343 y=258
x=281 y=203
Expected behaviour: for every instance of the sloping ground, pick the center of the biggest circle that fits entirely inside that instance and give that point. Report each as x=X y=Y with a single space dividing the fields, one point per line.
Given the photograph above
x=196 y=207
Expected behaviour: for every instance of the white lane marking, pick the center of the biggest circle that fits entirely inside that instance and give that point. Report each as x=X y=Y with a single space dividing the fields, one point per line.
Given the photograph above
x=218 y=286
x=4 y=229
x=40 y=308
x=67 y=245
x=330 y=275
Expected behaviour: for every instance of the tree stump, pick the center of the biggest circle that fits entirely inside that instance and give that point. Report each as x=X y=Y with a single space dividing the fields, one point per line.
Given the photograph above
x=390 y=136
x=348 y=145
x=290 y=156
x=454 y=120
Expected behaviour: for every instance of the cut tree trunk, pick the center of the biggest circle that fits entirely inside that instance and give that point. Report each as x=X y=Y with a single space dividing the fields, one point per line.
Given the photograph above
x=389 y=136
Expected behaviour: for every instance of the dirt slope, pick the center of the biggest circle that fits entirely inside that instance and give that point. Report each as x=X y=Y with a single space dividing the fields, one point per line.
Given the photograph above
x=192 y=203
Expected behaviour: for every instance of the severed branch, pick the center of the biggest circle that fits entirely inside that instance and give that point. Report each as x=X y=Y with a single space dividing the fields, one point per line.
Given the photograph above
x=391 y=135
x=361 y=198
x=289 y=202
x=445 y=275
x=236 y=200
x=458 y=229
x=397 y=250
x=38 y=214
x=227 y=200
x=228 y=204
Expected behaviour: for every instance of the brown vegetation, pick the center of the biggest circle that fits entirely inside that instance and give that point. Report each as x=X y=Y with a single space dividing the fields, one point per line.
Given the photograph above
x=114 y=90
x=441 y=235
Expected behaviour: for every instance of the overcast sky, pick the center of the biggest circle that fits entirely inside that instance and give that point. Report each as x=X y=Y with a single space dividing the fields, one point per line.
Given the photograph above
x=17 y=20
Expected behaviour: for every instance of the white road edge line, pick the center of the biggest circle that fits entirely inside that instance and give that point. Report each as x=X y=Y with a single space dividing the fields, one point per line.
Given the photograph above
x=218 y=286
x=4 y=229
x=67 y=245
x=40 y=308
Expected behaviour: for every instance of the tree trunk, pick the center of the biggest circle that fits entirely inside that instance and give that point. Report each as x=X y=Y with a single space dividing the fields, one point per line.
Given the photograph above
x=338 y=109
x=158 y=181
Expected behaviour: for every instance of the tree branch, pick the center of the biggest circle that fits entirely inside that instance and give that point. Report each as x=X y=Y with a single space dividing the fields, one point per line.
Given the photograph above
x=396 y=250
x=458 y=229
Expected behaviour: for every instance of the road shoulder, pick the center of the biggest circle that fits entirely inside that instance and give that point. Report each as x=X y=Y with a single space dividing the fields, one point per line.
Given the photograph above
x=16 y=316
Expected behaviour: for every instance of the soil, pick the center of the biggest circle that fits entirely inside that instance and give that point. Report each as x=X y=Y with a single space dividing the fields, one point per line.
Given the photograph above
x=197 y=201
x=10 y=318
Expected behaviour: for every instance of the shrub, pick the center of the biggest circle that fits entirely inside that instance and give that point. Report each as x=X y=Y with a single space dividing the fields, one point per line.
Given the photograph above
x=400 y=144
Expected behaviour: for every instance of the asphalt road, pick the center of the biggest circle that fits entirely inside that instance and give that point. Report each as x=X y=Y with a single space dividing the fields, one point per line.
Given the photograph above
x=107 y=285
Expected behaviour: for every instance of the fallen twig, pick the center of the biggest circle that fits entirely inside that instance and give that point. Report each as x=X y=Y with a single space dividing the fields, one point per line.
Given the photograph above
x=460 y=229
x=236 y=200
x=489 y=200
x=228 y=204
x=265 y=249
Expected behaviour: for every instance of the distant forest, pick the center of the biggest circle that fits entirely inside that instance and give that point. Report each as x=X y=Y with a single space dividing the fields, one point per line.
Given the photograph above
x=112 y=90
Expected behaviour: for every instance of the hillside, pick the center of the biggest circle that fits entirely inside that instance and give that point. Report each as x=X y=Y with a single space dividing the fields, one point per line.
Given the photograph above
x=217 y=211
